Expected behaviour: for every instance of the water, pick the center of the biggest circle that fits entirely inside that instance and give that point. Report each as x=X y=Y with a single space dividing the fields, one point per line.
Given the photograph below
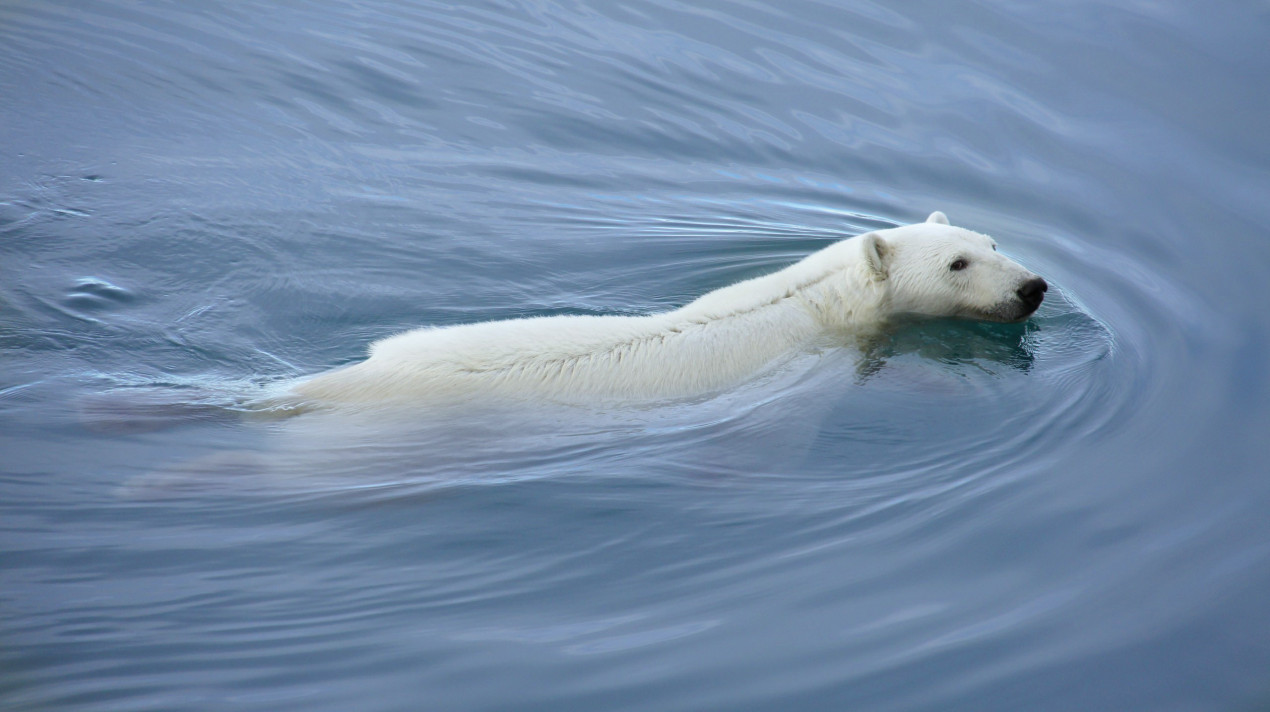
x=199 y=200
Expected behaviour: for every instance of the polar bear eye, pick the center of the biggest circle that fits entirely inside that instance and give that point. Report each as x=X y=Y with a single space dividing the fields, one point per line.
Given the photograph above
x=958 y=265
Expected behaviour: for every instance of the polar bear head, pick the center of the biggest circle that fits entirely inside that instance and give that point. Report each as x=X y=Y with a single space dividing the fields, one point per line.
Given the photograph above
x=935 y=269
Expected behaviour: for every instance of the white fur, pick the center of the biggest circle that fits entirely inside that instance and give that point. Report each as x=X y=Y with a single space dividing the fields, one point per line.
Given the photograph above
x=723 y=337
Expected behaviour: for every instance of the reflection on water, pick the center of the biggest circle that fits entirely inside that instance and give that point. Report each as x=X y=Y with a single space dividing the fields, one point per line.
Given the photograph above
x=761 y=428
x=956 y=343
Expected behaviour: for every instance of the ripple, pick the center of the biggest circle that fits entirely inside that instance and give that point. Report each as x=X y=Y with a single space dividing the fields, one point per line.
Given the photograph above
x=202 y=200
x=95 y=294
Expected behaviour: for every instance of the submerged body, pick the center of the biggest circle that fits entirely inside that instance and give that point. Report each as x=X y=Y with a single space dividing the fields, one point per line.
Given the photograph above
x=723 y=337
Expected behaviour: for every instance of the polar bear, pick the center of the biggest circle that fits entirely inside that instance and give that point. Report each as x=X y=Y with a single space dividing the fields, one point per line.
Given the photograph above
x=855 y=286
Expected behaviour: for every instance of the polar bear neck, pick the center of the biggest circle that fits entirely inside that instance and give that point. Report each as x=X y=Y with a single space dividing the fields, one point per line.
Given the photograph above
x=833 y=286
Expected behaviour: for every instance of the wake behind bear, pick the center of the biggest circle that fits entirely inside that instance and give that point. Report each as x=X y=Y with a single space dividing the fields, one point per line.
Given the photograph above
x=855 y=286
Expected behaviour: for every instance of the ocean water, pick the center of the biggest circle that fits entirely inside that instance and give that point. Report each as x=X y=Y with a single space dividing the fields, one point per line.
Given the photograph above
x=199 y=200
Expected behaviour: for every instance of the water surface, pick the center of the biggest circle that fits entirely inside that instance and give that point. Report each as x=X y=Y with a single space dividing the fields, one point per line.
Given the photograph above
x=198 y=201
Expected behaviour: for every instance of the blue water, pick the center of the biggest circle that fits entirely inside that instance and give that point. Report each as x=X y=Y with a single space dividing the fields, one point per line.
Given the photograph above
x=198 y=200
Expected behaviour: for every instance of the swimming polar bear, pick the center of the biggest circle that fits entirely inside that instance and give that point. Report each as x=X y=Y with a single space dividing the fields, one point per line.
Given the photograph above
x=851 y=287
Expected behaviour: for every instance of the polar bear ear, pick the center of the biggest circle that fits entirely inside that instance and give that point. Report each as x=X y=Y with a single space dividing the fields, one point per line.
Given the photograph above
x=938 y=218
x=877 y=254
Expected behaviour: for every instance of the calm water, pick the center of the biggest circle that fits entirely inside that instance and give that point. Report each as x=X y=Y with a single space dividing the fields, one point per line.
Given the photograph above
x=200 y=199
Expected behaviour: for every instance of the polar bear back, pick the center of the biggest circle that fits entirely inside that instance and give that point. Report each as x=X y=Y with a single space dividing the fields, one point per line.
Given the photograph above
x=565 y=357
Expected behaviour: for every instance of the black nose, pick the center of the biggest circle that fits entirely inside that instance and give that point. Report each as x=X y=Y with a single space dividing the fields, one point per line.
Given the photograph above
x=1033 y=292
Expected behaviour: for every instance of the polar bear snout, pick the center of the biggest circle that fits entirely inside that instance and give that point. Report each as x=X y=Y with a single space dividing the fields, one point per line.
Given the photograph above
x=1032 y=293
